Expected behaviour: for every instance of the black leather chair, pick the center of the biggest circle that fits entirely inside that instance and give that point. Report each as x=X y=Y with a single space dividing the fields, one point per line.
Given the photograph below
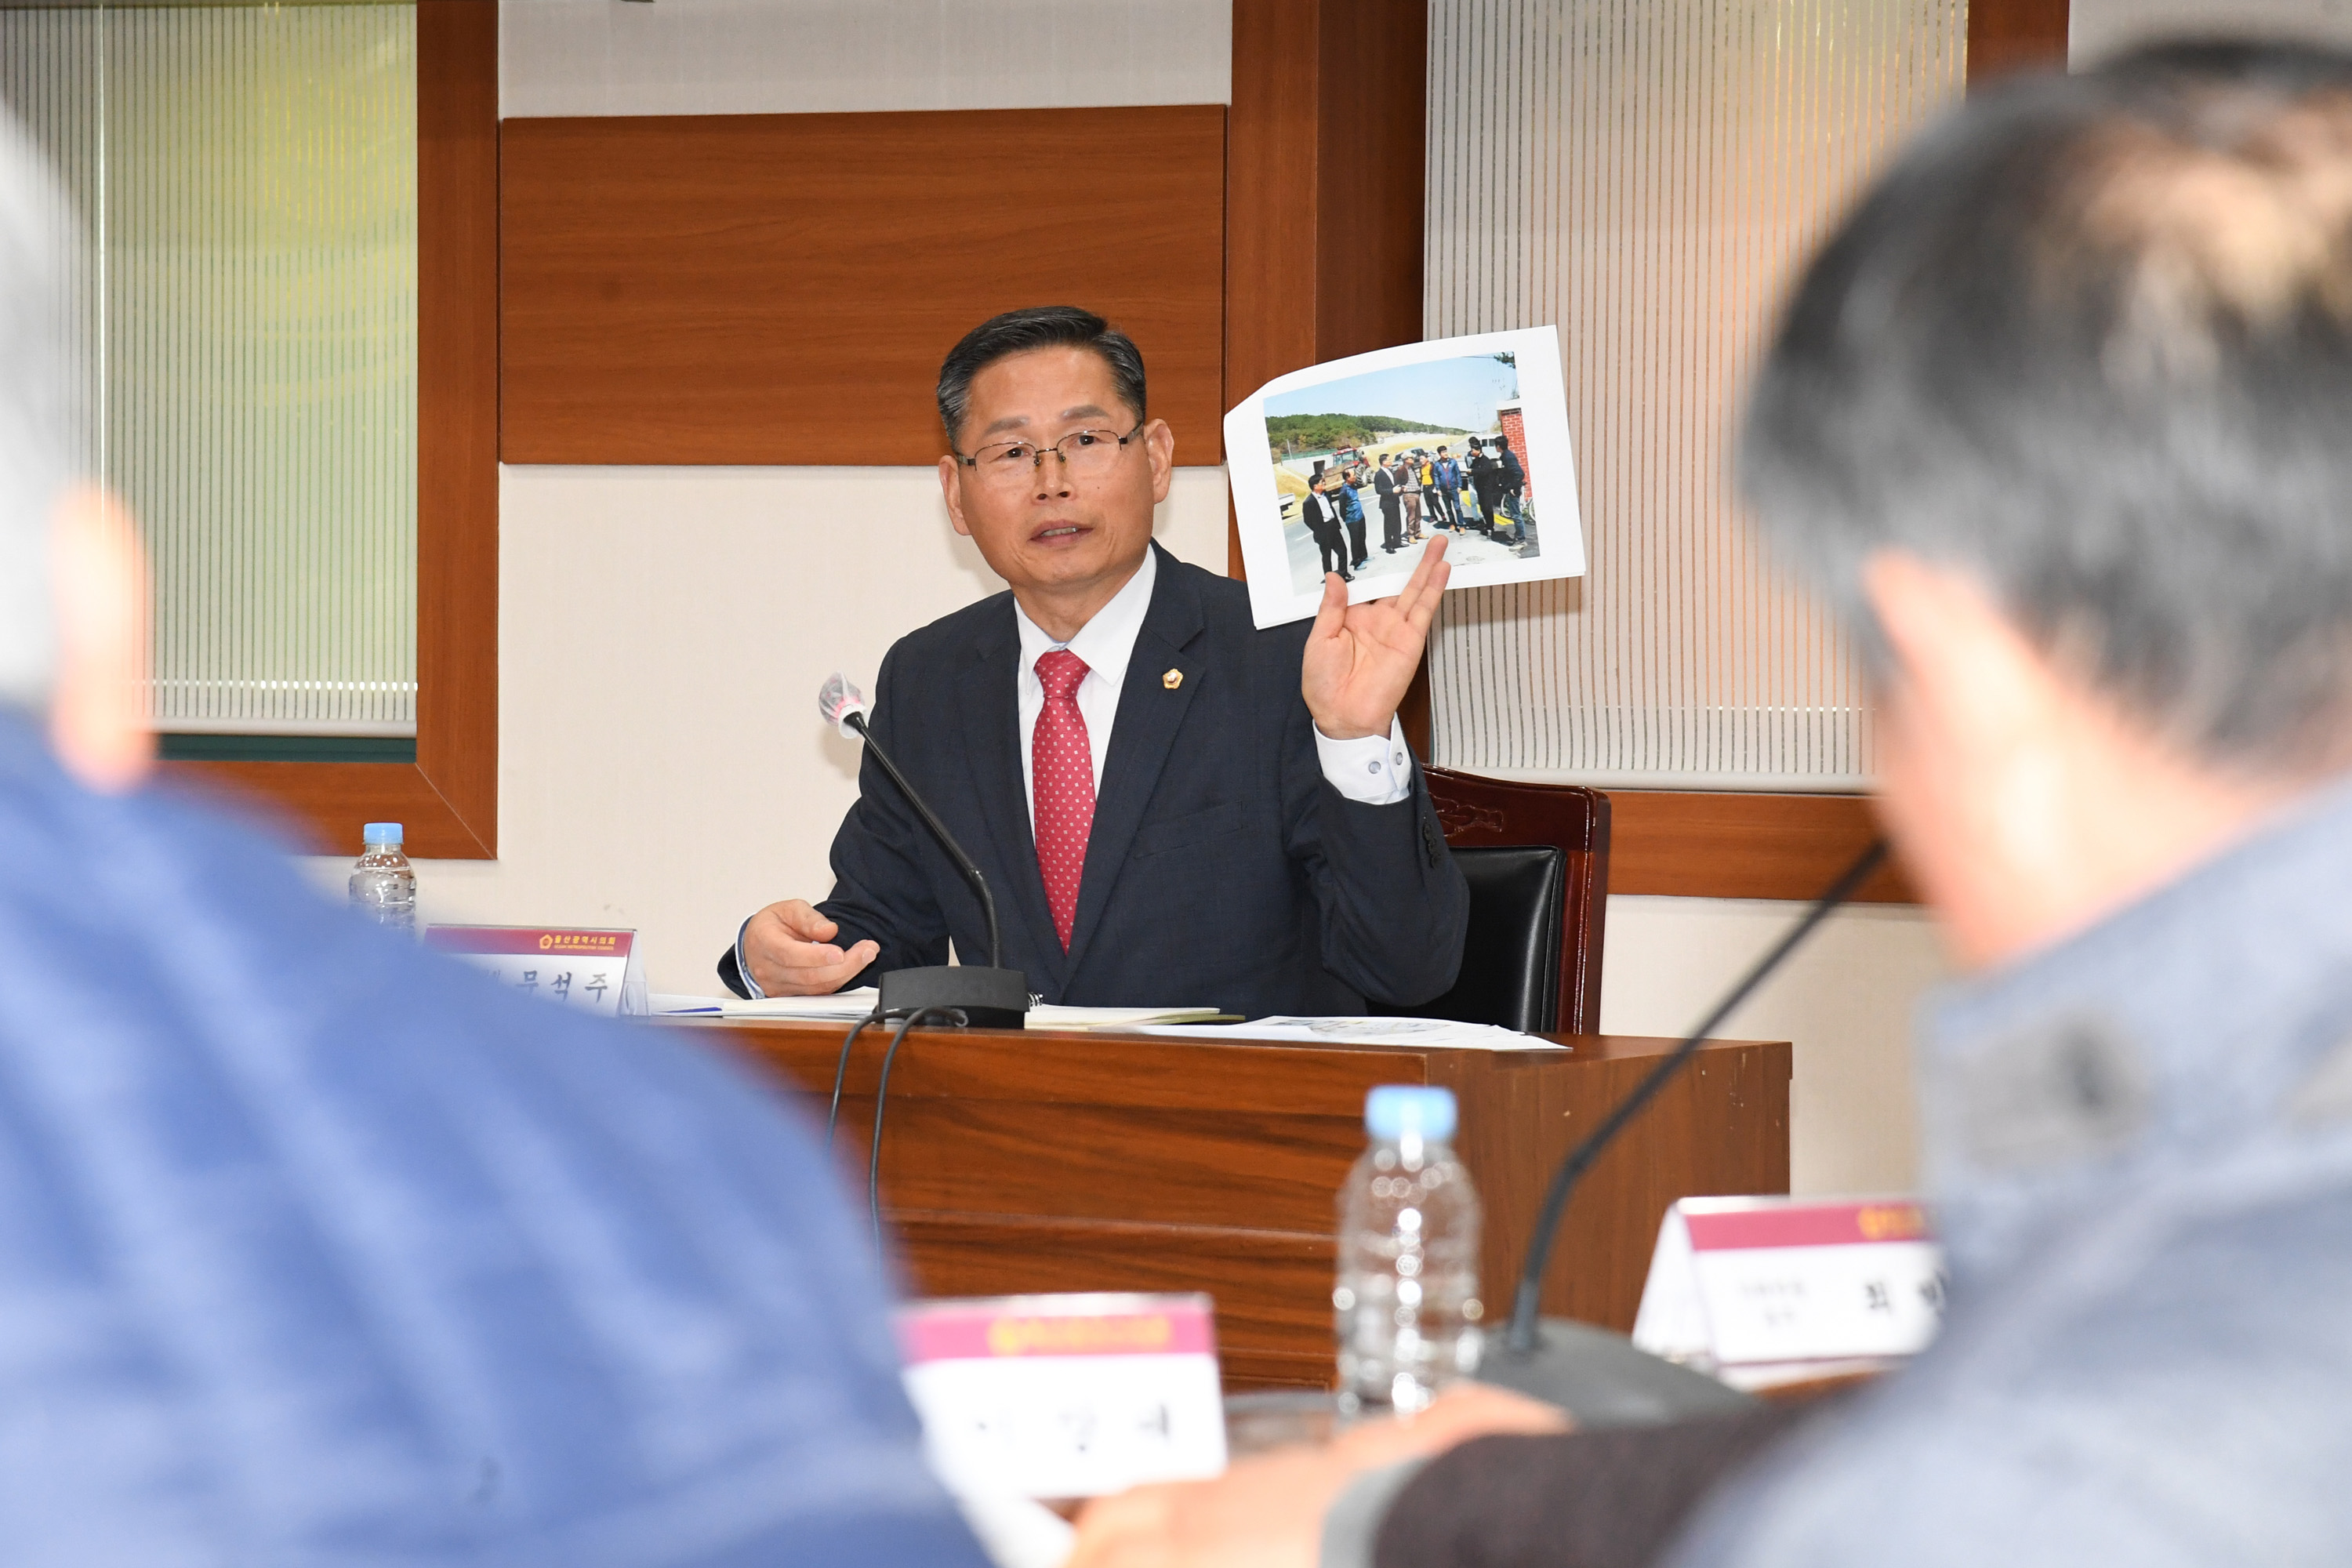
x=1510 y=958
x=1537 y=859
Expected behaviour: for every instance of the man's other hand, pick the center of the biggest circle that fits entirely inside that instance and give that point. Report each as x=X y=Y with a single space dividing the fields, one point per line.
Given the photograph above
x=788 y=948
x=1360 y=658
x=1267 y=1512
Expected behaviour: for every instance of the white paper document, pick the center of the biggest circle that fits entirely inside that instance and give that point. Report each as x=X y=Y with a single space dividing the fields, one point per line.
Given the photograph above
x=676 y=1004
x=1441 y=1032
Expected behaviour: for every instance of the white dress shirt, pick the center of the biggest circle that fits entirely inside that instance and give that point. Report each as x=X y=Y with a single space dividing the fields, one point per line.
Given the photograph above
x=1373 y=769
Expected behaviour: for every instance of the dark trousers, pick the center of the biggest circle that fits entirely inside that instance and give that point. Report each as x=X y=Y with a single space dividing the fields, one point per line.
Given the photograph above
x=1487 y=500
x=1335 y=553
x=1444 y=508
x=1356 y=535
x=1391 y=522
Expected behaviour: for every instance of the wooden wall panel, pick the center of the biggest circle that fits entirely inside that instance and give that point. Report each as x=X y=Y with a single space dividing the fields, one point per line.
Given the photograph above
x=781 y=289
x=1323 y=204
x=1744 y=846
x=2015 y=35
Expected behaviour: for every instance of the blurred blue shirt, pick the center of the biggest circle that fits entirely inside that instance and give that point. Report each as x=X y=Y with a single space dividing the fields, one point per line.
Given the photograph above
x=2138 y=1141
x=316 y=1249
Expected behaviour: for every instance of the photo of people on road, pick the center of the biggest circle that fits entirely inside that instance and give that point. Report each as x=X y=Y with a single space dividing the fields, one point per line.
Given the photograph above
x=1361 y=487
x=1369 y=459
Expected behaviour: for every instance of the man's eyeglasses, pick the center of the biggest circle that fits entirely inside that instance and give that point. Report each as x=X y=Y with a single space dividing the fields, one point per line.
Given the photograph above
x=1084 y=454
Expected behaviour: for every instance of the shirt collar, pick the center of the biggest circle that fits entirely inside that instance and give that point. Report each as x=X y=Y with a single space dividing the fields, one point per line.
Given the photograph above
x=1107 y=642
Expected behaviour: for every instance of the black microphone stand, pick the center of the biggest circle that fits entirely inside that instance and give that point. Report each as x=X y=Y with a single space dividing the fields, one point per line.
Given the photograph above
x=1599 y=1375
x=992 y=997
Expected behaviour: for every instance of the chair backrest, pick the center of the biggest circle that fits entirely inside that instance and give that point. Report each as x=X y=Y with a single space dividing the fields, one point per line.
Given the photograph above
x=1510 y=953
x=1484 y=813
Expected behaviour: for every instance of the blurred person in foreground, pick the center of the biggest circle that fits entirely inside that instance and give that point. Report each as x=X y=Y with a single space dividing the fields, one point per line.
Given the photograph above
x=316 y=1249
x=2062 y=420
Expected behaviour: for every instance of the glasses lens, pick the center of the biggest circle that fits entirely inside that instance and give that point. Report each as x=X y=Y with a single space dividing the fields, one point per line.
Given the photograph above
x=1091 y=451
x=1006 y=463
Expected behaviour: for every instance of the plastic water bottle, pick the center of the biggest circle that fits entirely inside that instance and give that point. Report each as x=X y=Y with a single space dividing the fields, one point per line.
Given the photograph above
x=383 y=886
x=1406 y=1305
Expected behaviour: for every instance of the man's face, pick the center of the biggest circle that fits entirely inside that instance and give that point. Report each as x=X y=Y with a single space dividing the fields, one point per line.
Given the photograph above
x=1055 y=531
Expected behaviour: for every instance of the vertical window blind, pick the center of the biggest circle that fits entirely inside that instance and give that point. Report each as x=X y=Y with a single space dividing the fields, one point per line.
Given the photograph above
x=247 y=177
x=1649 y=174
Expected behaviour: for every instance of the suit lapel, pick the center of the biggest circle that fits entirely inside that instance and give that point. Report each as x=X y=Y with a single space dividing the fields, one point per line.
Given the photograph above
x=1150 y=714
x=991 y=725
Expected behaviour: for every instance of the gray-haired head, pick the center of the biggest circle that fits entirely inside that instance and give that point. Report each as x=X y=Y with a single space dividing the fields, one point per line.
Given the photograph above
x=2090 y=340
x=39 y=405
x=1039 y=327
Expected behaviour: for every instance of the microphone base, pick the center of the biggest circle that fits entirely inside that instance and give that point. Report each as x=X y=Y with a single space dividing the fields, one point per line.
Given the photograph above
x=988 y=998
x=1599 y=1378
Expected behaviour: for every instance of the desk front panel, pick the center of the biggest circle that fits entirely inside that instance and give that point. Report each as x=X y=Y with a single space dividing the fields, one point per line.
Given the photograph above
x=1020 y=1162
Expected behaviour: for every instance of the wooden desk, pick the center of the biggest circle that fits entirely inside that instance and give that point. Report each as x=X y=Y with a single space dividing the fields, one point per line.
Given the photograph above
x=1019 y=1161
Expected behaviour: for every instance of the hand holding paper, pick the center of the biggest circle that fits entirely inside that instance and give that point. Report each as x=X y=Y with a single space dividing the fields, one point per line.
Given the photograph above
x=1362 y=658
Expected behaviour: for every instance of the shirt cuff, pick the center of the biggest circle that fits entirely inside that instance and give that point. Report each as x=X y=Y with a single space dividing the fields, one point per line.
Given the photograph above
x=1371 y=770
x=1351 y=1527
x=742 y=969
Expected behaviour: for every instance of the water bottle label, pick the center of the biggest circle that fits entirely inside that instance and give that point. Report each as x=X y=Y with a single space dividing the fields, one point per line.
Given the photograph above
x=593 y=970
x=1066 y=1396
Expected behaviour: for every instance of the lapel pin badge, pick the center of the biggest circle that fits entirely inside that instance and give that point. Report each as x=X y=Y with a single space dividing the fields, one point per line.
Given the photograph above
x=1172 y=679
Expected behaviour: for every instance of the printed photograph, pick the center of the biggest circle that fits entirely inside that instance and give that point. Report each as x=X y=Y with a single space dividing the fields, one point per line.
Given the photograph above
x=1366 y=461
x=1367 y=469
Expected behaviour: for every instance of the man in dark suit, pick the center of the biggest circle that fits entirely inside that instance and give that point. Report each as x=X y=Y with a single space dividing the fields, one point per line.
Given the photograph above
x=1486 y=479
x=1384 y=481
x=1170 y=805
x=1321 y=515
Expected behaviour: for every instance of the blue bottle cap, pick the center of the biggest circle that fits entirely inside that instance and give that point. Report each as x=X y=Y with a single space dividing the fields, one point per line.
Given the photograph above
x=1393 y=1110
x=376 y=833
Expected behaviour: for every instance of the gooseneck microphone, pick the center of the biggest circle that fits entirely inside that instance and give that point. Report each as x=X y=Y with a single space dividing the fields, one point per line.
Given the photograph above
x=1594 y=1373
x=990 y=997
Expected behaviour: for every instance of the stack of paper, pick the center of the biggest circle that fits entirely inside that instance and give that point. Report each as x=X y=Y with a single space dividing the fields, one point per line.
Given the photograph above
x=840 y=1006
x=1442 y=1032
x=848 y=1006
x=1043 y=1018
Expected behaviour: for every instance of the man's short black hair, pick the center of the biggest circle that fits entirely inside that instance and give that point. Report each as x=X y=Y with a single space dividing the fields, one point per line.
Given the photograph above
x=1038 y=327
x=2090 y=341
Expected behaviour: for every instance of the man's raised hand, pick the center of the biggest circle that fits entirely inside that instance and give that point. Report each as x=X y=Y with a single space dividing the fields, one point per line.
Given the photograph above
x=1360 y=658
x=789 y=950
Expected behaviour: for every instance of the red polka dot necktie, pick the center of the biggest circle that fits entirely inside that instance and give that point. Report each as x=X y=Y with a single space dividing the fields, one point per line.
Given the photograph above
x=1061 y=770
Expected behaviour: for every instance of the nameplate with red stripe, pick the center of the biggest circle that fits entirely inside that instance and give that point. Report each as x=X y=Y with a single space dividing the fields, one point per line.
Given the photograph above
x=589 y=968
x=1745 y=1282
x=1066 y=1396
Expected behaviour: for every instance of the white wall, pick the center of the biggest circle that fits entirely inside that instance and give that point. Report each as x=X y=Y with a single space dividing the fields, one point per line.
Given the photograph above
x=785 y=56
x=1846 y=999
x=2096 y=28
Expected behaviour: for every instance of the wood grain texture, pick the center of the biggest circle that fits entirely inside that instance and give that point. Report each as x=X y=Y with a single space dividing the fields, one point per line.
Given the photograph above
x=779 y=288
x=448 y=798
x=2006 y=35
x=1032 y=1161
x=1706 y=846
x=1323 y=189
